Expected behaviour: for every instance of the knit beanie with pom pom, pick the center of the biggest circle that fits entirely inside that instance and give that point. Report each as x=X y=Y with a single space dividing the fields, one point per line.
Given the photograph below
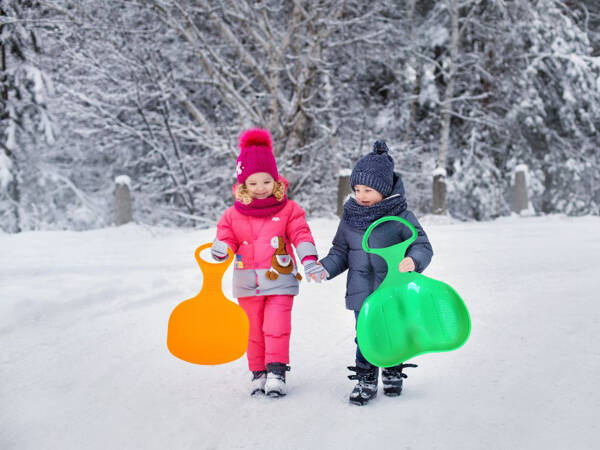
x=375 y=170
x=256 y=155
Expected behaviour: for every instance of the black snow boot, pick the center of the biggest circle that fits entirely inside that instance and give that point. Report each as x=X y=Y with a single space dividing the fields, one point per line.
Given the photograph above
x=366 y=388
x=275 y=385
x=392 y=379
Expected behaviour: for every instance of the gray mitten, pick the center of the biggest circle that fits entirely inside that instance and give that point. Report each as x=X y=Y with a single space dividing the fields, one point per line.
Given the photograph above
x=315 y=271
x=218 y=251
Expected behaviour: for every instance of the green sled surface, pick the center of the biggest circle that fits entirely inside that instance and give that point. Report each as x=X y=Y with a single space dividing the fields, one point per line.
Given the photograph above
x=408 y=314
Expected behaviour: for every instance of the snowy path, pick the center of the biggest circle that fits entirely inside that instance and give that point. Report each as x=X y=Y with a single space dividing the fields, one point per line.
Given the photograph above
x=84 y=363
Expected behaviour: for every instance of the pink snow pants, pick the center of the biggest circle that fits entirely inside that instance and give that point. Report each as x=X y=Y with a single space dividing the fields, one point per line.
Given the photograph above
x=270 y=319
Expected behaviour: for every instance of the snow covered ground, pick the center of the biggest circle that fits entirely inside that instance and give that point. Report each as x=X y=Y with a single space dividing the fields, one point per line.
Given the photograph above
x=84 y=365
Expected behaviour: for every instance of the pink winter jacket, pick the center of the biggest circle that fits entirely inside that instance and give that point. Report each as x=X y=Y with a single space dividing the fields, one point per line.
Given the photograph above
x=253 y=240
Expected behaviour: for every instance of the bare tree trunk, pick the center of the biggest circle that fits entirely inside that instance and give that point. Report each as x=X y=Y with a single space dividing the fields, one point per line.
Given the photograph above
x=417 y=67
x=3 y=79
x=447 y=106
x=14 y=194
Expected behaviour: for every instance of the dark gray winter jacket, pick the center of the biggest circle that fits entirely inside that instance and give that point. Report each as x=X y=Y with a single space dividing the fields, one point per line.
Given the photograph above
x=366 y=271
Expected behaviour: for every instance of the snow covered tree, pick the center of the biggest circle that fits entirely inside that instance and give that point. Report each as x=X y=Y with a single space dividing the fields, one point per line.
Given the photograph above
x=524 y=93
x=160 y=90
x=270 y=64
x=129 y=117
x=556 y=118
x=169 y=85
x=23 y=118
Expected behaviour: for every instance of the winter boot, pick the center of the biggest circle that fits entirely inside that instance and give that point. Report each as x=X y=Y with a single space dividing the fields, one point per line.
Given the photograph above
x=392 y=379
x=366 y=388
x=257 y=385
x=275 y=385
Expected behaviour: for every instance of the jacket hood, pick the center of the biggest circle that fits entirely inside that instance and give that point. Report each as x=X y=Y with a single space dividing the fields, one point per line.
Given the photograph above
x=398 y=186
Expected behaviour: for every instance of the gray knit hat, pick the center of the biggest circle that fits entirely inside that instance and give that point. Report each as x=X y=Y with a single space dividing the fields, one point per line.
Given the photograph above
x=375 y=170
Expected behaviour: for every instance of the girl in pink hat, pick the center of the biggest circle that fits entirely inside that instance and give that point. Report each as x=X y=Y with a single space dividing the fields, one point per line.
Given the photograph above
x=260 y=228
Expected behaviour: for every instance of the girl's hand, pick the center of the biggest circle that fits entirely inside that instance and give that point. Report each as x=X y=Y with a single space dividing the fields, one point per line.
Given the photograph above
x=314 y=271
x=406 y=265
x=219 y=250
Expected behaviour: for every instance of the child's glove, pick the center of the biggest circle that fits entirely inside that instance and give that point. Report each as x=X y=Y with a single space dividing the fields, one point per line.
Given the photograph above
x=218 y=251
x=314 y=271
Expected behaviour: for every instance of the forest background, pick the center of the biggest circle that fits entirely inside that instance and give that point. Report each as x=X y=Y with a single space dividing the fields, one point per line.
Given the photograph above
x=159 y=91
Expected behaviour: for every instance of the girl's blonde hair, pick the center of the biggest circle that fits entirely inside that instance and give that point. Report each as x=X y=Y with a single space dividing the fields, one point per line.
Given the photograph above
x=242 y=194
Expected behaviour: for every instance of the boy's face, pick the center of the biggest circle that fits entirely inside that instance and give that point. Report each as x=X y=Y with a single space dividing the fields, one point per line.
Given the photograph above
x=260 y=185
x=366 y=196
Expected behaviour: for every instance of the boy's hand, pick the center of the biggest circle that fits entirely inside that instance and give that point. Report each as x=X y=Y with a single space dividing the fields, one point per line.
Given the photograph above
x=406 y=265
x=314 y=271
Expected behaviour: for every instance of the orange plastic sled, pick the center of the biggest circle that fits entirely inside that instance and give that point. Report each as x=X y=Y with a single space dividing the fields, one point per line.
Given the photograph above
x=208 y=329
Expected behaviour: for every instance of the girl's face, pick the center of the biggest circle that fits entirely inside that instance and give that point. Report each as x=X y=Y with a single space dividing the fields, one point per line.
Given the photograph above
x=366 y=196
x=260 y=185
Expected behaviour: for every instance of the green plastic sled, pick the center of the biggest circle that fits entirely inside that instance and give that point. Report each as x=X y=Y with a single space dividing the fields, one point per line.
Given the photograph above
x=408 y=314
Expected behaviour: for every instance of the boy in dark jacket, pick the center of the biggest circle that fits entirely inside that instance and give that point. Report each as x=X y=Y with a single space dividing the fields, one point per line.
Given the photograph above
x=378 y=192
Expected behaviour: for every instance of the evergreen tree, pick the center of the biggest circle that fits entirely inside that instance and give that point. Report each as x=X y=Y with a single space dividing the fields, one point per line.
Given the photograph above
x=24 y=122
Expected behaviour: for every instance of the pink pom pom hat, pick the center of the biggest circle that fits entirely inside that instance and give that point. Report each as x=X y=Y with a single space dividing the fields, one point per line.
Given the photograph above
x=256 y=154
